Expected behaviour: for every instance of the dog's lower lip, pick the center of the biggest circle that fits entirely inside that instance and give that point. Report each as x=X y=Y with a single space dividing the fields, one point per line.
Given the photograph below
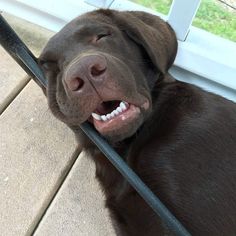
x=118 y=121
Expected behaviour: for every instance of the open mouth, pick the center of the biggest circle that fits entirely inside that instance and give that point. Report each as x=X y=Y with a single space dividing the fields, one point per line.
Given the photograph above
x=114 y=115
x=108 y=110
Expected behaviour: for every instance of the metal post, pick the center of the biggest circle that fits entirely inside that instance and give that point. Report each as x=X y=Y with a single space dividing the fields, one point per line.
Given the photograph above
x=181 y=15
x=100 y=3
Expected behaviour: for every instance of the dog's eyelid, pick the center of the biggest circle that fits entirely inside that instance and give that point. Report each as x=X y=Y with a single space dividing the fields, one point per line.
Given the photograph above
x=103 y=35
x=47 y=64
x=44 y=61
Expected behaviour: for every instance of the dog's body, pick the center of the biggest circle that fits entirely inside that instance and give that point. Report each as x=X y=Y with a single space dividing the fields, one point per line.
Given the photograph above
x=178 y=138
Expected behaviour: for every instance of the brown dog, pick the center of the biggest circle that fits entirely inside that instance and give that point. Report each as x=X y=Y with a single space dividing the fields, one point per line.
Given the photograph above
x=111 y=68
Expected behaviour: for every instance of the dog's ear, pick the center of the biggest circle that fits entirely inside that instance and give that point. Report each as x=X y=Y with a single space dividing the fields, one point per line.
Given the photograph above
x=153 y=34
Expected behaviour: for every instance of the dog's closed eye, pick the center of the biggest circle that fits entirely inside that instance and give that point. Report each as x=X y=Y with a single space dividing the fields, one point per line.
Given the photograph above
x=102 y=35
x=47 y=65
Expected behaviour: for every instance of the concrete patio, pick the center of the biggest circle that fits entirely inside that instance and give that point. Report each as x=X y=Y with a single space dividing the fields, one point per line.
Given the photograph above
x=46 y=186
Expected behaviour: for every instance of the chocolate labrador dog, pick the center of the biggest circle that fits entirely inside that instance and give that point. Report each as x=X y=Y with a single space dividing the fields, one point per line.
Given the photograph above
x=110 y=68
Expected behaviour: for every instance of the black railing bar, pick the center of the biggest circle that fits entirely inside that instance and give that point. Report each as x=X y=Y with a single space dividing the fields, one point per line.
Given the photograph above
x=19 y=51
x=153 y=201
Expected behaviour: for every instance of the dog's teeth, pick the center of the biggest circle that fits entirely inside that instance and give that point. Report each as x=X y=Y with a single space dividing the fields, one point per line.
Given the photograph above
x=104 y=118
x=123 y=106
x=116 y=112
x=119 y=109
x=108 y=116
x=96 y=116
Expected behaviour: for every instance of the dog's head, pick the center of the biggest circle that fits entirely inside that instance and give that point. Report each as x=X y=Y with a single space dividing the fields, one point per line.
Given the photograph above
x=103 y=66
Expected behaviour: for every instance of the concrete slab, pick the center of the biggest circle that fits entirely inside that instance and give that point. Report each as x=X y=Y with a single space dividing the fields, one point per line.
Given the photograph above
x=12 y=77
x=36 y=153
x=78 y=208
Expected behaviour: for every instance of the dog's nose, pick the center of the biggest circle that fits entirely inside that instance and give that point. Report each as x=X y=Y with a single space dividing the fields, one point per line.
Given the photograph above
x=87 y=69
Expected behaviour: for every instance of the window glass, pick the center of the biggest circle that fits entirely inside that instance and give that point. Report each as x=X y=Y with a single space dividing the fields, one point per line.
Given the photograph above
x=161 y=6
x=218 y=18
x=215 y=16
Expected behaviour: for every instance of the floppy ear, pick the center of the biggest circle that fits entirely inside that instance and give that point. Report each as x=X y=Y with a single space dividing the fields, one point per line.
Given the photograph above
x=155 y=36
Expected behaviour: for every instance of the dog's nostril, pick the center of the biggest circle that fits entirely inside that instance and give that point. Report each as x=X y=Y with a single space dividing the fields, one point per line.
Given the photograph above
x=75 y=84
x=97 y=70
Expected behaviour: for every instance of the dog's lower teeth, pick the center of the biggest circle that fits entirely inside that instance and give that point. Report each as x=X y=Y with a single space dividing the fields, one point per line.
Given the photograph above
x=115 y=112
x=119 y=109
x=96 y=116
x=122 y=107
x=104 y=117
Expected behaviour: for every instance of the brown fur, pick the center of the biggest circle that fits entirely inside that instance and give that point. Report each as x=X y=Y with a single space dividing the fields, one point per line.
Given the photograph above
x=183 y=146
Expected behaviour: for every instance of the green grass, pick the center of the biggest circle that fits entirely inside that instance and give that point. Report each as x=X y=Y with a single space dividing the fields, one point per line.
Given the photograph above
x=211 y=16
x=158 y=5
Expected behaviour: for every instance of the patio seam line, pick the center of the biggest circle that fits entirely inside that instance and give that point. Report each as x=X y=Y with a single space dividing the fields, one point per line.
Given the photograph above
x=13 y=94
x=33 y=228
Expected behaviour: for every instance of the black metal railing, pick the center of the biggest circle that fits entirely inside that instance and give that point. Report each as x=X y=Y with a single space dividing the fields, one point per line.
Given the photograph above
x=19 y=51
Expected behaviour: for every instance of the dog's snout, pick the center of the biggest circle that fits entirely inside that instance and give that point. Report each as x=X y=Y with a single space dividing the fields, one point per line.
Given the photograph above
x=87 y=69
